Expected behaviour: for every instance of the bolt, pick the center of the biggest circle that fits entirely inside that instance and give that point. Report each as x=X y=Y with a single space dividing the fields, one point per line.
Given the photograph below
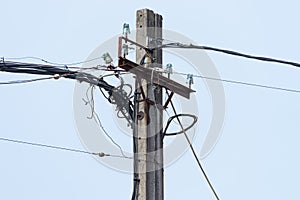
x=140 y=115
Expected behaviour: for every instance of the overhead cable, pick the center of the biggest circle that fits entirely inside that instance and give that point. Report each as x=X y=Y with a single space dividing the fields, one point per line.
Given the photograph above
x=101 y=154
x=241 y=83
x=52 y=63
x=25 y=81
x=225 y=51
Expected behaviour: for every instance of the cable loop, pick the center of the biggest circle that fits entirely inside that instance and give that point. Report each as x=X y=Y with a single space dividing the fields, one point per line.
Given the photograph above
x=183 y=130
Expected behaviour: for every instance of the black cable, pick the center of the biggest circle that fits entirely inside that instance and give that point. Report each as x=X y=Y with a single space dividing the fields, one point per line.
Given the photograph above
x=230 y=52
x=15 y=67
x=182 y=131
x=135 y=187
x=104 y=95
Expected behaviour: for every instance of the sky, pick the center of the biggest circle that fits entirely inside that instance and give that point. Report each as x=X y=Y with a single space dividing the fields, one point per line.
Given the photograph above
x=256 y=156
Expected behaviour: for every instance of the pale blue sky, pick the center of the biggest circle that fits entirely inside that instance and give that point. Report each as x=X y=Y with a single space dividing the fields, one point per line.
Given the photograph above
x=257 y=155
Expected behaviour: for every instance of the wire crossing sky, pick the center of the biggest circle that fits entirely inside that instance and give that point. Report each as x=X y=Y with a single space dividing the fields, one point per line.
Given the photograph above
x=100 y=154
x=225 y=51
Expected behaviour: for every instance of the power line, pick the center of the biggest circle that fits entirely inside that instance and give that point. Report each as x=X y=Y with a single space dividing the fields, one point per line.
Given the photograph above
x=39 y=69
x=52 y=63
x=101 y=154
x=25 y=81
x=226 y=51
x=241 y=83
x=63 y=66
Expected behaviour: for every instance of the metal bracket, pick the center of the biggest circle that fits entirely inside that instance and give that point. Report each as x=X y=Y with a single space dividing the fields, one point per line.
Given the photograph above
x=154 y=77
x=121 y=38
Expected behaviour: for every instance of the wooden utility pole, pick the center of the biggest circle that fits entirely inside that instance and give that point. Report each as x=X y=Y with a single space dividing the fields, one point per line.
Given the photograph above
x=148 y=106
x=148 y=132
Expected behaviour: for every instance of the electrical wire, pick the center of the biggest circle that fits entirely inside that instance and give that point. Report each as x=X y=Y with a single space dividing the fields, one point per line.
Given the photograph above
x=60 y=66
x=25 y=81
x=225 y=51
x=66 y=65
x=101 y=154
x=234 y=53
x=39 y=69
x=52 y=63
x=135 y=187
x=237 y=82
x=241 y=83
x=194 y=152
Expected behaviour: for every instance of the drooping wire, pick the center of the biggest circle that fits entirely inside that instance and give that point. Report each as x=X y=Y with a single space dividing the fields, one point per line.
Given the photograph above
x=101 y=154
x=90 y=101
x=194 y=152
